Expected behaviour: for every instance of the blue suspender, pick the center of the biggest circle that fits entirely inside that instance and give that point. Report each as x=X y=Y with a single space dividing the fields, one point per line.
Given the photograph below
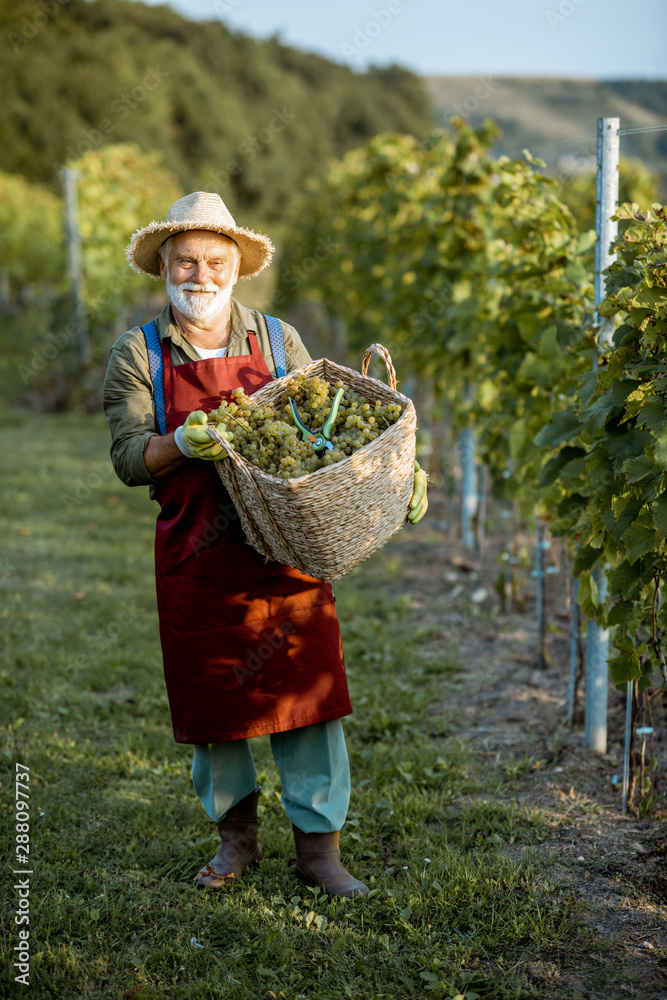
x=156 y=366
x=155 y=362
x=277 y=345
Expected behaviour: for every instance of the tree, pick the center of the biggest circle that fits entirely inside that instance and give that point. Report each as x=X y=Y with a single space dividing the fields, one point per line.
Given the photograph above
x=120 y=189
x=31 y=237
x=469 y=268
x=611 y=464
x=249 y=119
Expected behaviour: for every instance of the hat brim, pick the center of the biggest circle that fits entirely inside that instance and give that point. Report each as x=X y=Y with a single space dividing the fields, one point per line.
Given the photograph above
x=142 y=253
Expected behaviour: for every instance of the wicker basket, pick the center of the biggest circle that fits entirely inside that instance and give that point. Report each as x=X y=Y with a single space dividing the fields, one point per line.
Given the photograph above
x=329 y=521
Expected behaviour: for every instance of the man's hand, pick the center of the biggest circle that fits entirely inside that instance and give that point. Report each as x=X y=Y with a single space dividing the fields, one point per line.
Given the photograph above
x=195 y=437
x=418 y=502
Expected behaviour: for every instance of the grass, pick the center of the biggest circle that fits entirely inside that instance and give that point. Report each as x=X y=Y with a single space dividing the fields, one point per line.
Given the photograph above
x=457 y=908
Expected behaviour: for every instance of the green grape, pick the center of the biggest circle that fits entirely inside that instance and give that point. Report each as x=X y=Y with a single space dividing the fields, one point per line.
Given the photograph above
x=267 y=436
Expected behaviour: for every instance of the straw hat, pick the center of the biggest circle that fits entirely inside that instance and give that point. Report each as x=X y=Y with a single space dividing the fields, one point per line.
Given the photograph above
x=199 y=210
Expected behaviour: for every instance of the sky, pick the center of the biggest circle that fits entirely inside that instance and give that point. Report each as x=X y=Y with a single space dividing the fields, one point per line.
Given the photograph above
x=598 y=39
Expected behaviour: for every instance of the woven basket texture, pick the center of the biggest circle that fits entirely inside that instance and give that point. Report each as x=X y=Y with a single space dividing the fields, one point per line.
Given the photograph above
x=329 y=521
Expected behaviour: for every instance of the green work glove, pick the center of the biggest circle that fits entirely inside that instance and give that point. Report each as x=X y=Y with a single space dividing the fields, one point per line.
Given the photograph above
x=194 y=437
x=418 y=502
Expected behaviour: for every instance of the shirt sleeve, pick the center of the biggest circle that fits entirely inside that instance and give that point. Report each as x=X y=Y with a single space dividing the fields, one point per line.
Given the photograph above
x=128 y=405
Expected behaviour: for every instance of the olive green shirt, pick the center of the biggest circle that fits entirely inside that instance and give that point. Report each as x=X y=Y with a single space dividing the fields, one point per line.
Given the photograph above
x=128 y=389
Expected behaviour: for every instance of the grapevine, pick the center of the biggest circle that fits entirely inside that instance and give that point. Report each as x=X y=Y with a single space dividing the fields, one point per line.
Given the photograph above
x=611 y=466
x=268 y=437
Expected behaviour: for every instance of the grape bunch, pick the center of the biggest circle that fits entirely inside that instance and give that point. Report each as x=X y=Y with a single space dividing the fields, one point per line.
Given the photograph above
x=269 y=438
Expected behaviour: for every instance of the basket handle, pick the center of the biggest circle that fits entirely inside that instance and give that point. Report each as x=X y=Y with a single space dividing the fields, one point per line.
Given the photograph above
x=383 y=353
x=215 y=435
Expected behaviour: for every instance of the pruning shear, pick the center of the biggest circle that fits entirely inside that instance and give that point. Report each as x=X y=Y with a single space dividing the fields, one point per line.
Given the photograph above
x=320 y=440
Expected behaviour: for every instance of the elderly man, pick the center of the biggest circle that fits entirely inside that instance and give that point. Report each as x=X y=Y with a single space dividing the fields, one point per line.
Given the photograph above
x=218 y=601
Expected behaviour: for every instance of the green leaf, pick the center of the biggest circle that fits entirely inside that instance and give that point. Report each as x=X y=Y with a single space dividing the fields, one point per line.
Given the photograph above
x=662 y=613
x=626 y=666
x=536 y=370
x=600 y=478
x=635 y=469
x=585 y=559
x=659 y=511
x=621 y=614
x=636 y=399
x=572 y=472
x=660 y=446
x=517 y=437
x=587 y=595
x=620 y=391
x=627 y=441
x=528 y=324
x=563 y=426
x=640 y=539
x=552 y=469
x=406 y=913
x=587 y=386
x=649 y=298
x=571 y=505
x=652 y=415
x=619 y=503
x=429 y=977
x=618 y=526
x=624 y=334
x=624 y=580
x=597 y=414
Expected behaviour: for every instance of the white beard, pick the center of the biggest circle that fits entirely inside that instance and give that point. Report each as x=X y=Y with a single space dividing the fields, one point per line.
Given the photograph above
x=199 y=307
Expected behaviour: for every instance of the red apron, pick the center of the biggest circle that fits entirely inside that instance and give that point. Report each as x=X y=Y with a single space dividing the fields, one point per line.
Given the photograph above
x=249 y=647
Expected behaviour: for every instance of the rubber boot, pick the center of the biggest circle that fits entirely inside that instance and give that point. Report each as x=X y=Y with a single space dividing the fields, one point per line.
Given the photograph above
x=239 y=849
x=318 y=863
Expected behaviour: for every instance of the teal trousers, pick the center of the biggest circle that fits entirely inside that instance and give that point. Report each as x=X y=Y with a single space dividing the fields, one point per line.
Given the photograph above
x=314 y=773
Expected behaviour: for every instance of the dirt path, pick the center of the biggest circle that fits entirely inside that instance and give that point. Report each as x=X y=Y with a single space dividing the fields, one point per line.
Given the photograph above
x=515 y=715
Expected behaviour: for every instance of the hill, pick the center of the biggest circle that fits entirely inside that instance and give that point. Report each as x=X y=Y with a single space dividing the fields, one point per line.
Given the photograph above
x=250 y=119
x=557 y=119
